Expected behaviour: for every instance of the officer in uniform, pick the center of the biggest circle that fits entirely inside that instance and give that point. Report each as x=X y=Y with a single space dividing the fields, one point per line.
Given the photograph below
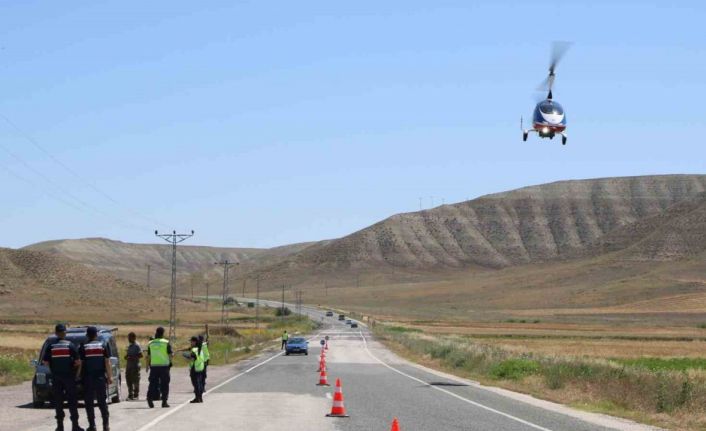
x=97 y=375
x=206 y=358
x=285 y=338
x=159 y=361
x=63 y=360
x=132 y=369
x=196 y=367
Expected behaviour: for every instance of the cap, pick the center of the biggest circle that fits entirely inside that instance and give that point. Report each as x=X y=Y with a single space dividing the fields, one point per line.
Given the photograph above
x=91 y=331
x=60 y=327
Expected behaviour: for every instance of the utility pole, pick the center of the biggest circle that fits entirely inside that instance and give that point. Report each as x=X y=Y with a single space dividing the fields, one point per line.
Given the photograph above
x=244 y=281
x=174 y=239
x=257 y=304
x=226 y=266
x=149 y=268
x=282 y=313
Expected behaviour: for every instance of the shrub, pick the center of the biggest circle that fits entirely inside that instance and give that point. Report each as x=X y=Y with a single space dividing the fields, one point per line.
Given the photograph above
x=514 y=369
x=282 y=311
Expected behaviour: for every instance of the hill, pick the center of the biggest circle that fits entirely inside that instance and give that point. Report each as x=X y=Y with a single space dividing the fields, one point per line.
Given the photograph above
x=129 y=261
x=37 y=284
x=528 y=225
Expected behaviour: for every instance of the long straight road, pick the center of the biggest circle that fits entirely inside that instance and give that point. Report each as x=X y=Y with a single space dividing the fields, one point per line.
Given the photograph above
x=276 y=392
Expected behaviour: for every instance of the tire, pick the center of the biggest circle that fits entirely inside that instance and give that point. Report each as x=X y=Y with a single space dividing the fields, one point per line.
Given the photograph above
x=286 y=353
x=306 y=353
x=524 y=136
x=116 y=398
x=36 y=402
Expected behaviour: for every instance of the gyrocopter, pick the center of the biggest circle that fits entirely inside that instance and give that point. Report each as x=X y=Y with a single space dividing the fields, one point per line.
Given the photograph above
x=549 y=118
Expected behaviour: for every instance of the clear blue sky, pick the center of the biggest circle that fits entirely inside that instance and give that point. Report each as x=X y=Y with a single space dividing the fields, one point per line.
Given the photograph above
x=265 y=123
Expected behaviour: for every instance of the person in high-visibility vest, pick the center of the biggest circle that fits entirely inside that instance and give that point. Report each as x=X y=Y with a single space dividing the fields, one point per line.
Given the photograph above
x=196 y=367
x=206 y=358
x=285 y=338
x=159 y=361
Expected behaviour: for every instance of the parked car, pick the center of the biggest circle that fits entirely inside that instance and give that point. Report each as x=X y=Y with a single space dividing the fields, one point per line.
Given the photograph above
x=42 y=380
x=354 y=325
x=329 y=314
x=341 y=317
x=297 y=345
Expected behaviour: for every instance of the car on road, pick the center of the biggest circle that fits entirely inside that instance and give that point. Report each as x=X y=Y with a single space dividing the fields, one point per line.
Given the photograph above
x=42 y=380
x=354 y=325
x=341 y=317
x=329 y=314
x=349 y=321
x=297 y=345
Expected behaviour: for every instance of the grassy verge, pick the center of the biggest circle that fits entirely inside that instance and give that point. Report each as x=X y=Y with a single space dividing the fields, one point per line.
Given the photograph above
x=14 y=366
x=665 y=392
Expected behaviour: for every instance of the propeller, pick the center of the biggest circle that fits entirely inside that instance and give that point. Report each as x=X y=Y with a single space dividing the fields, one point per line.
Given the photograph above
x=558 y=51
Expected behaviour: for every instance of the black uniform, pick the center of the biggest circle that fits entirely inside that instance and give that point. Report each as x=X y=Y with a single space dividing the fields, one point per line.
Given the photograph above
x=62 y=356
x=93 y=355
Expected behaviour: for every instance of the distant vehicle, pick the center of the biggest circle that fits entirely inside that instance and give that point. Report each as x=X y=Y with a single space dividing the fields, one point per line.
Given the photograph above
x=329 y=314
x=297 y=345
x=354 y=325
x=42 y=380
x=341 y=317
x=349 y=321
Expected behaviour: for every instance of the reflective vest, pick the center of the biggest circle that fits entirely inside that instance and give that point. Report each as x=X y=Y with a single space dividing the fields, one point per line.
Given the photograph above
x=94 y=353
x=204 y=350
x=198 y=363
x=285 y=337
x=159 y=356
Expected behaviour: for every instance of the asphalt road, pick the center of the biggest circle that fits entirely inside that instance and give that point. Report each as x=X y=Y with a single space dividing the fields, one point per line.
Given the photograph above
x=277 y=392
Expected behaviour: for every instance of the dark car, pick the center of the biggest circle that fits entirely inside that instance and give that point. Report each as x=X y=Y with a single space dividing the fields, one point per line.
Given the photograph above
x=341 y=317
x=354 y=325
x=297 y=345
x=329 y=314
x=42 y=380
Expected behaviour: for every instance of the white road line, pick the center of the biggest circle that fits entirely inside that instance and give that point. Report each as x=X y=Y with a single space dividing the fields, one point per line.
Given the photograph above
x=466 y=400
x=162 y=417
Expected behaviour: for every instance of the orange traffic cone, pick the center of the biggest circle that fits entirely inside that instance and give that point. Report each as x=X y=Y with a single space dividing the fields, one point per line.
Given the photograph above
x=395 y=425
x=338 y=410
x=323 y=379
x=322 y=364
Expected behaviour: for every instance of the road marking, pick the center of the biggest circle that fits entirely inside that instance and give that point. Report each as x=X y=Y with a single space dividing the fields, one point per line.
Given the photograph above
x=162 y=417
x=466 y=400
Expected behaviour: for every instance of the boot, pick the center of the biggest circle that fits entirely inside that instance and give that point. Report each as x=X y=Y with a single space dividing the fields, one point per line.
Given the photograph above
x=150 y=403
x=164 y=404
x=59 y=425
x=75 y=427
x=106 y=425
x=194 y=401
x=91 y=428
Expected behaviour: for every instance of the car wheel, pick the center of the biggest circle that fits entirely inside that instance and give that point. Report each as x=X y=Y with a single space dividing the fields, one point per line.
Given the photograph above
x=306 y=353
x=286 y=353
x=116 y=398
x=36 y=402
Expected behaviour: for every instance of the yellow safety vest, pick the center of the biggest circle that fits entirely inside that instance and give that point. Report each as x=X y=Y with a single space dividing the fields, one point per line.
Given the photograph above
x=198 y=363
x=285 y=337
x=159 y=355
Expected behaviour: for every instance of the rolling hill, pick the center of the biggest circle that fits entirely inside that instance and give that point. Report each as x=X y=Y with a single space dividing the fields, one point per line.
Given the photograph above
x=528 y=225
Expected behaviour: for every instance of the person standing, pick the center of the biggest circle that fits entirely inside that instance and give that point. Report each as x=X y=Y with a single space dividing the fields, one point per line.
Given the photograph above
x=159 y=362
x=97 y=375
x=132 y=368
x=206 y=358
x=285 y=338
x=63 y=360
x=196 y=367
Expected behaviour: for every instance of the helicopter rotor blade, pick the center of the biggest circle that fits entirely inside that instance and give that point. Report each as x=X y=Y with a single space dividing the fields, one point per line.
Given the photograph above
x=558 y=51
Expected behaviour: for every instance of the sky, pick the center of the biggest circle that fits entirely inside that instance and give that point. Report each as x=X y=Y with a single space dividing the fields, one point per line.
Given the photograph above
x=259 y=124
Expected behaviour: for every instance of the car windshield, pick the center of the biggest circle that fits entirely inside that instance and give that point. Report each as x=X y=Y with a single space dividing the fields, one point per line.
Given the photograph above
x=297 y=340
x=551 y=107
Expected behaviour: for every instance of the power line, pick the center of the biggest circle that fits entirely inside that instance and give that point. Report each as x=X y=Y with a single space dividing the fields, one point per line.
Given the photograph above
x=68 y=169
x=174 y=239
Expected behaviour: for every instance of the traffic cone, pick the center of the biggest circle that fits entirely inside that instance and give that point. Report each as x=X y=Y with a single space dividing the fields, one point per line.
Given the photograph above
x=338 y=410
x=322 y=365
x=323 y=379
x=395 y=425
